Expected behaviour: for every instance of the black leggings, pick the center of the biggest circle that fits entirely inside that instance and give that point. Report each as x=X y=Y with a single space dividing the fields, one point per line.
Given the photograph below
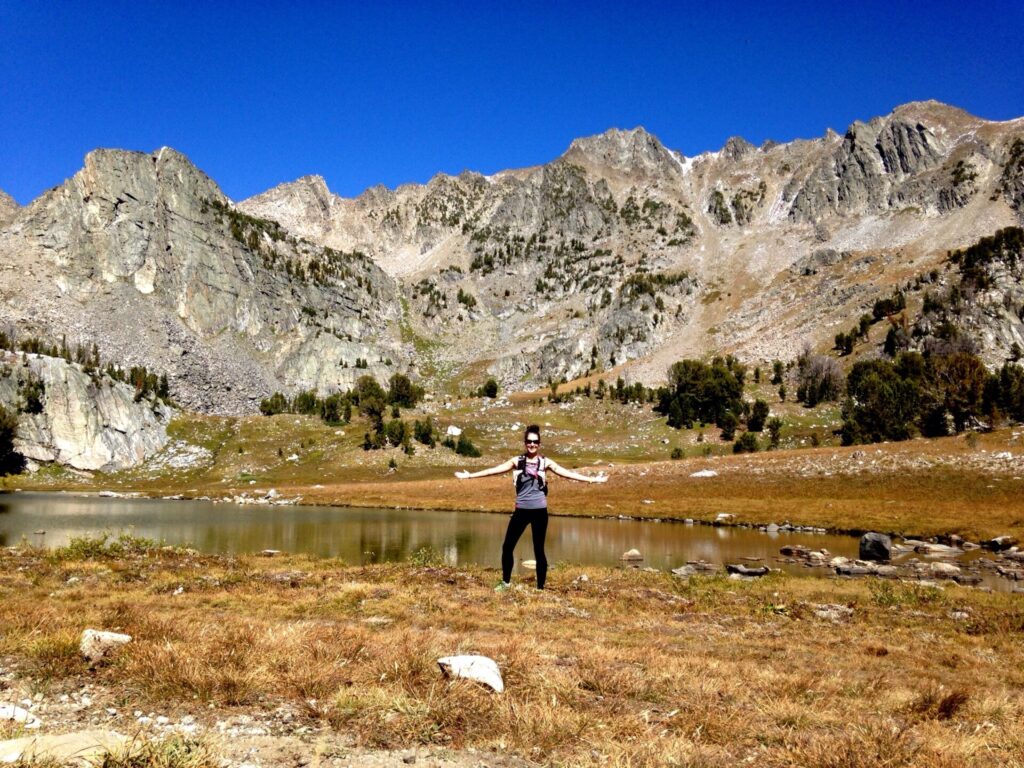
x=537 y=519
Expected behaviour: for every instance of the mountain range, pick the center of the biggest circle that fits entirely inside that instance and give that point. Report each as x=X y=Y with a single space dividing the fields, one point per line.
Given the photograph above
x=619 y=257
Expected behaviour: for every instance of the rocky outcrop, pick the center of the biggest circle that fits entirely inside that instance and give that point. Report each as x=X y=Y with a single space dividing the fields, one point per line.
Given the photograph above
x=143 y=255
x=8 y=207
x=89 y=422
x=866 y=171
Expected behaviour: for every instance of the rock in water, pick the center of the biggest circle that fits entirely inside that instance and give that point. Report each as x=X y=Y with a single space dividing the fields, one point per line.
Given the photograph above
x=633 y=554
x=875 y=547
x=999 y=543
x=95 y=645
x=477 y=668
x=743 y=570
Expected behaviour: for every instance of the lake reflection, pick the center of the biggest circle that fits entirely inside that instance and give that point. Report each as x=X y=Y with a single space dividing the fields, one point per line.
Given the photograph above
x=358 y=535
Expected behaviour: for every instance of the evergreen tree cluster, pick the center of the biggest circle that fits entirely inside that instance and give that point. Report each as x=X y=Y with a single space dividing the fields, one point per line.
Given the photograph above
x=699 y=392
x=930 y=395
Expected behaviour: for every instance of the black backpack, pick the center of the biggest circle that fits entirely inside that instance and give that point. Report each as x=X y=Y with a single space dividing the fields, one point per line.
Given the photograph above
x=519 y=473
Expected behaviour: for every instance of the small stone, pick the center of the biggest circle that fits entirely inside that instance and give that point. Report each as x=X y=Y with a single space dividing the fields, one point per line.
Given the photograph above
x=832 y=612
x=743 y=570
x=944 y=570
x=95 y=644
x=18 y=715
x=478 y=668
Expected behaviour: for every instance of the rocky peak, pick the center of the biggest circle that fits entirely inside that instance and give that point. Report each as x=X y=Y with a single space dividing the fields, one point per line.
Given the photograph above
x=8 y=207
x=632 y=151
x=736 y=147
x=307 y=199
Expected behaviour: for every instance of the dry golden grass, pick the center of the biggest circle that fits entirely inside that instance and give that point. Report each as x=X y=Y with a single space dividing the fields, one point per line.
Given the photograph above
x=627 y=668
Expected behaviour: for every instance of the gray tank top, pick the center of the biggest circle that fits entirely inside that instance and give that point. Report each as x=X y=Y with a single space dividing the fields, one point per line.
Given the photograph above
x=530 y=486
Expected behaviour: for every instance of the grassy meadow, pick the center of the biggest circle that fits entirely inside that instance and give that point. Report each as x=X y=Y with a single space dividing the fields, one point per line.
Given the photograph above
x=620 y=667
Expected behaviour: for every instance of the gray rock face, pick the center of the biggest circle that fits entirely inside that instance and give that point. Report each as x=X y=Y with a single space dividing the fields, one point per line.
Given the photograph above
x=866 y=171
x=875 y=547
x=143 y=255
x=86 y=423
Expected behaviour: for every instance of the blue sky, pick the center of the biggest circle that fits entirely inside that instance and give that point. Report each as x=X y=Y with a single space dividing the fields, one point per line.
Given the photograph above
x=258 y=93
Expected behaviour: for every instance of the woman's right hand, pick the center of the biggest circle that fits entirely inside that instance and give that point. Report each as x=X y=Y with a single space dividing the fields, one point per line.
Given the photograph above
x=462 y=474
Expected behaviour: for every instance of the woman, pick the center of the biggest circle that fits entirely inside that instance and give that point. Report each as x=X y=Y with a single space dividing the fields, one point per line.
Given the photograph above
x=529 y=473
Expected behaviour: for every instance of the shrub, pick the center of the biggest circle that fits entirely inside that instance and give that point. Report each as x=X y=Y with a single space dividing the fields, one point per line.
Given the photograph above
x=276 y=403
x=465 y=447
x=746 y=443
x=819 y=378
x=728 y=424
x=774 y=431
x=490 y=388
x=401 y=391
x=423 y=431
x=758 y=415
x=11 y=462
x=677 y=452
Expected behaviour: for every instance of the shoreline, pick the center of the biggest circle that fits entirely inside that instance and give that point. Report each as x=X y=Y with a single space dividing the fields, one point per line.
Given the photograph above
x=855 y=532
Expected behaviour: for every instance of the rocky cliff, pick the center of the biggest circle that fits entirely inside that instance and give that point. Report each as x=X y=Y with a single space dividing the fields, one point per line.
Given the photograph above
x=145 y=256
x=88 y=422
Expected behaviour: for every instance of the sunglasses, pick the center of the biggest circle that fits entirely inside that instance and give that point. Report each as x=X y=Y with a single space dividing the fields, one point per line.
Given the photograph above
x=533 y=442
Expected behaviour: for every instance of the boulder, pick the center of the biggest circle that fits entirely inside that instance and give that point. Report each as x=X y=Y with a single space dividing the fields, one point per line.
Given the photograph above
x=852 y=569
x=705 y=473
x=743 y=570
x=794 y=550
x=999 y=543
x=633 y=554
x=477 y=668
x=96 y=645
x=875 y=547
x=945 y=571
x=86 y=422
x=684 y=571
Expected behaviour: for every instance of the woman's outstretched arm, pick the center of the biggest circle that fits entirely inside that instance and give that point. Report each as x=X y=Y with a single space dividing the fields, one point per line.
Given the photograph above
x=508 y=466
x=558 y=469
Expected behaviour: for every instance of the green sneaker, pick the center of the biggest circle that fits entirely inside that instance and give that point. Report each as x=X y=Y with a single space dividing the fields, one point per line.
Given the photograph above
x=503 y=586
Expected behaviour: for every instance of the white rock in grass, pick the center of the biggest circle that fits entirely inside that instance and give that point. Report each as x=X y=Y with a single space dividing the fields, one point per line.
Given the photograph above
x=478 y=668
x=705 y=473
x=530 y=564
x=95 y=644
x=18 y=715
x=453 y=431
